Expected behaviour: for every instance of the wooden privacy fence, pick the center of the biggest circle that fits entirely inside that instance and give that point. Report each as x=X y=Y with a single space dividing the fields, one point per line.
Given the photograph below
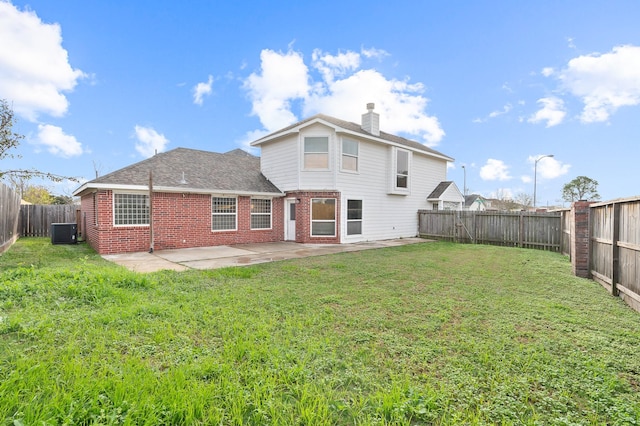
x=614 y=249
x=35 y=220
x=520 y=229
x=9 y=210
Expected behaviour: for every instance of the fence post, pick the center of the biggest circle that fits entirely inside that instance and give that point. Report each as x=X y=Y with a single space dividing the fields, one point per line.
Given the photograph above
x=581 y=241
x=615 y=250
x=521 y=230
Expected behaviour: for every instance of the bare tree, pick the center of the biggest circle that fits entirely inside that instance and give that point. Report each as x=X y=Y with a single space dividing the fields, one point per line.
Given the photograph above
x=10 y=140
x=524 y=199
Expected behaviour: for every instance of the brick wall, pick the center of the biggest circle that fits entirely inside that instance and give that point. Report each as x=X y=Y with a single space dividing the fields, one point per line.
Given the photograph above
x=179 y=221
x=580 y=265
x=303 y=216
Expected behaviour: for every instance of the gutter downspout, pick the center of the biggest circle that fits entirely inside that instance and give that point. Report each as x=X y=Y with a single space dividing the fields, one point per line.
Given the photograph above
x=150 y=212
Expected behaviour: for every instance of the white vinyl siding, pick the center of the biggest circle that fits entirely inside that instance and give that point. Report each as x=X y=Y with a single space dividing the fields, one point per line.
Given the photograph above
x=387 y=214
x=130 y=209
x=280 y=163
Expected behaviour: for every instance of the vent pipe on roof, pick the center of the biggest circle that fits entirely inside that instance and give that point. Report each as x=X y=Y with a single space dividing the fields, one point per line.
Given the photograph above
x=371 y=121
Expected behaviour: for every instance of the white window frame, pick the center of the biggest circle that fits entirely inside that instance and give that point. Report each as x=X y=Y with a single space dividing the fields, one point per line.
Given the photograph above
x=354 y=220
x=256 y=214
x=145 y=211
x=215 y=213
x=334 y=221
x=355 y=156
x=310 y=153
x=396 y=172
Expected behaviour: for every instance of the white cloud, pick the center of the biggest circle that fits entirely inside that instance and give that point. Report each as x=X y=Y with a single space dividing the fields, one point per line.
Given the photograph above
x=526 y=179
x=57 y=142
x=331 y=66
x=202 y=89
x=283 y=78
x=549 y=167
x=604 y=82
x=149 y=141
x=504 y=110
x=493 y=114
x=342 y=90
x=374 y=53
x=547 y=71
x=34 y=67
x=552 y=111
x=495 y=170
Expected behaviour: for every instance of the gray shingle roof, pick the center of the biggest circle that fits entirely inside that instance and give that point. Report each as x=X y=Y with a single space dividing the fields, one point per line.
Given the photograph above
x=356 y=128
x=207 y=171
x=439 y=190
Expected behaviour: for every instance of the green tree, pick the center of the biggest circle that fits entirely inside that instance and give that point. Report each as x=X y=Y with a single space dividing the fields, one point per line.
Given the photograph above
x=62 y=199
x=10 y=140
x=580 y=188
x=37 y=195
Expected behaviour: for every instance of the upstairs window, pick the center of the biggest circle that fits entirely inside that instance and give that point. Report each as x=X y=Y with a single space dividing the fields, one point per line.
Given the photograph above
x=130 y=209
x=316 y=153
x=223 y=213
x=260 y=213
x=402 y=169
x=349 y=155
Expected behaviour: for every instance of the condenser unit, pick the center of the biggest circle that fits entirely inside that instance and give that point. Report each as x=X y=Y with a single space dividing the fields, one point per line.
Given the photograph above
x=64 y=233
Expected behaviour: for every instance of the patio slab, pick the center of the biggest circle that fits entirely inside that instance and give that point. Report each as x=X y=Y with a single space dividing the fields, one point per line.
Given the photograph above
x=240 y=254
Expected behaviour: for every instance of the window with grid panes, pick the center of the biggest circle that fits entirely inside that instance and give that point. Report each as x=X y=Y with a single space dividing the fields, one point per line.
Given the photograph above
x=223 y=213
x=130 y=209
x=260 y=213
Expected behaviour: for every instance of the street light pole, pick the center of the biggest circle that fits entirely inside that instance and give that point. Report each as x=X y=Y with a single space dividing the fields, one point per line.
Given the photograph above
x=535 y=176
x=464 y=187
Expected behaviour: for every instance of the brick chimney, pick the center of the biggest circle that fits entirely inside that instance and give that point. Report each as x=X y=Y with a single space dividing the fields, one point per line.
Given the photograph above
x=371 y=121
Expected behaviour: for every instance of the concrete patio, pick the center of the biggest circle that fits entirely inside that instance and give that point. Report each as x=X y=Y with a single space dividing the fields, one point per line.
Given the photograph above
x=239 y=255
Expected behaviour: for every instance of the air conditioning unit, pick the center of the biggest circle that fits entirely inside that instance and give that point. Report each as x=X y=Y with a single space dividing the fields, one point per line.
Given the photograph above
x=64 y=233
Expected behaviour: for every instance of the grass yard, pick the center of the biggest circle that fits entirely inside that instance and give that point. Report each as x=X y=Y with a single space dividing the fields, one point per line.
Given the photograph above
x=433 y=333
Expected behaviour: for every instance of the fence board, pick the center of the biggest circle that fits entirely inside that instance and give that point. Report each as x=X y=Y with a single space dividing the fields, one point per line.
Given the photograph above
x=9 y=211
x=36 y=220
x=615 y=247
x=521 y=229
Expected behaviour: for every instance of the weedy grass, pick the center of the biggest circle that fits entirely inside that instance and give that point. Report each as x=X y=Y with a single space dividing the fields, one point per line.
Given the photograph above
x=432 y=333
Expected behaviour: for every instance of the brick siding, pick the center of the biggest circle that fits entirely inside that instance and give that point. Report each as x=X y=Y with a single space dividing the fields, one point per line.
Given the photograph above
x=303 y=216
x=179 y=221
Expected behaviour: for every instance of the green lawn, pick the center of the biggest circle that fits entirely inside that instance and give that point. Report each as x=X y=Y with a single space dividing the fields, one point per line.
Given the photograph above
x=433 y=333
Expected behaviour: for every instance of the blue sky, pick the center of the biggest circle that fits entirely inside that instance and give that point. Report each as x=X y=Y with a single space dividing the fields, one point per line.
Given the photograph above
x=98 y=85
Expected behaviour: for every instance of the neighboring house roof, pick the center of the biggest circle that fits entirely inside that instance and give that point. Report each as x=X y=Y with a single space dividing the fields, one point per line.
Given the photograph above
x=190 y=170
x=353 y=128
x=439 y=190
x=470 y=199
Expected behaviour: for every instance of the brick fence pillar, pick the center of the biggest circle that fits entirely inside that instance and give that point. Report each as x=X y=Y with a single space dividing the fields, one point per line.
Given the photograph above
x=580 y=239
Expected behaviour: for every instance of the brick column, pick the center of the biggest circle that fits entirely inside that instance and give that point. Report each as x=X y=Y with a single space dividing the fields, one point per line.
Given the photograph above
x=580 y=239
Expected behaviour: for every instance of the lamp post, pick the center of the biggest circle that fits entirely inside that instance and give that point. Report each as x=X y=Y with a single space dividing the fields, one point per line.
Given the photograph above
x=535 y=176
x=464 y=186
